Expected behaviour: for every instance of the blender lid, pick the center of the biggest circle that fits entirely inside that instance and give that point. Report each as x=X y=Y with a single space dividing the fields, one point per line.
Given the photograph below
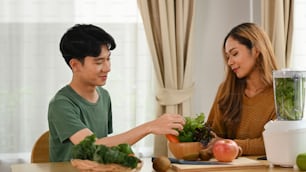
x=288 y=72
x=281 y=125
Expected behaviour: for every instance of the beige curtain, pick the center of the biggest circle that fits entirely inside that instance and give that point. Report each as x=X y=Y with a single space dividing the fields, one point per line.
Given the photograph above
x=169 y=28
x=277 y=20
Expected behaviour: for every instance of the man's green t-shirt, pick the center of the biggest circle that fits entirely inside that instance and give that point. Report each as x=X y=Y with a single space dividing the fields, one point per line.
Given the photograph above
x=69 y=112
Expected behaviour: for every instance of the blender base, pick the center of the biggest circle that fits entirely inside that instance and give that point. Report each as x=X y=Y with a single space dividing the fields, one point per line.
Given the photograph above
x=271 y=165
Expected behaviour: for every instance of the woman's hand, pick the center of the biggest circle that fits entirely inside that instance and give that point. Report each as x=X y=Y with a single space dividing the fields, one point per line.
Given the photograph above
x=214 y=139
x=167 y=124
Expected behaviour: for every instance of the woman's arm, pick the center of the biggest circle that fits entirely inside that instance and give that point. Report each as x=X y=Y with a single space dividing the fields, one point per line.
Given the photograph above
x=252 y=146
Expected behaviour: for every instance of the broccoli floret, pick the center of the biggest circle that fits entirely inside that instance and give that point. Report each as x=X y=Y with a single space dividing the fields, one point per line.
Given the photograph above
x=125 y=148
x=108 y=155
x=120 y=154
x=85 y=149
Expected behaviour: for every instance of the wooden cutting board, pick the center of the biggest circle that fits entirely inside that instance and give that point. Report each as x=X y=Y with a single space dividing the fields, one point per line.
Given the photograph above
x=240 y=163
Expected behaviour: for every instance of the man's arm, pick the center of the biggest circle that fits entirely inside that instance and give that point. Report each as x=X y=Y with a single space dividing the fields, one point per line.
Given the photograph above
x=166 y=124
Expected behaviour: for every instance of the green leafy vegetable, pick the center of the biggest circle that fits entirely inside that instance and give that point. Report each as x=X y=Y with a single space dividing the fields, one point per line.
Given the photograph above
x=125 y=148
x=85 y=149
x=108 y=155
x=289 y=97
x=120 y=154
x=195 y=130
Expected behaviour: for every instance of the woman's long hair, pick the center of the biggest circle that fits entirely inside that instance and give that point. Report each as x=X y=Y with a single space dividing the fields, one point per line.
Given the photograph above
x=232 y=89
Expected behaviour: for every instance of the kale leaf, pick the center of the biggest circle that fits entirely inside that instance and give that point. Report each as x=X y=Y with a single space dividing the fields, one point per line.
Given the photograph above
x=195 y=130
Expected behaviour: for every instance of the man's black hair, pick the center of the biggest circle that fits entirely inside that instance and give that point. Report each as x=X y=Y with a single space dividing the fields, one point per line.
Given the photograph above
x=84 y=40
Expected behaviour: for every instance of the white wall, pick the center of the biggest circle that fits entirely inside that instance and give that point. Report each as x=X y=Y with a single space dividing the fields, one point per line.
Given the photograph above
x=214 y=19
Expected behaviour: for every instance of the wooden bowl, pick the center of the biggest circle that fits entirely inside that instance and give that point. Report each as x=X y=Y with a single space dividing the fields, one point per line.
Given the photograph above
x=185 y=150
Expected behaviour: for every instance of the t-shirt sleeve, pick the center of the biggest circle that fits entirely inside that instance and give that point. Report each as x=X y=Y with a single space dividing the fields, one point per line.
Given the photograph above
x=110 y=120
x=65 y=118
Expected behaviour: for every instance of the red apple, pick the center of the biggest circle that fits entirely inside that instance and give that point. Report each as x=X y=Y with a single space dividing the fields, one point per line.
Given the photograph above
x=225 y=150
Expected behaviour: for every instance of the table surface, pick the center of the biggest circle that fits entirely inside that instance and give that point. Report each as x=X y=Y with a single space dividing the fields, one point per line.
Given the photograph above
x=147 y=167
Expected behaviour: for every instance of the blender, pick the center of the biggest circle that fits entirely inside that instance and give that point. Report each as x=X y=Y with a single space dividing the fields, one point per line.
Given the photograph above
x=285 y=137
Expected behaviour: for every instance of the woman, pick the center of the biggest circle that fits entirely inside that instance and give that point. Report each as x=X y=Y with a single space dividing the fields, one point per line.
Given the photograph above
x=244 y=102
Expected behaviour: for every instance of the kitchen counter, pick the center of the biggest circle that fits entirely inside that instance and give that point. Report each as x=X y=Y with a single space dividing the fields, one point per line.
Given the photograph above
x=147 y=167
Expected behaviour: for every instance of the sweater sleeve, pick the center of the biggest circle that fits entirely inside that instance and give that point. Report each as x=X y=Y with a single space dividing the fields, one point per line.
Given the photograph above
x=253 y=146
x=214 y=118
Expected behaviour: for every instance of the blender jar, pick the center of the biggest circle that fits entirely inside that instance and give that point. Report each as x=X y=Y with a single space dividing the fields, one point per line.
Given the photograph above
x=289 y=94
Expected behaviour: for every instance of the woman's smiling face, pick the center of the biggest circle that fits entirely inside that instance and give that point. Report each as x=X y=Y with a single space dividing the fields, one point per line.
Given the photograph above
x=241 y=60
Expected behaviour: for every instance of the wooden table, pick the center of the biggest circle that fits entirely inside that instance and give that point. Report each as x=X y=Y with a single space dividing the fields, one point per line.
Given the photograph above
x=147 y=167
x=63 y=167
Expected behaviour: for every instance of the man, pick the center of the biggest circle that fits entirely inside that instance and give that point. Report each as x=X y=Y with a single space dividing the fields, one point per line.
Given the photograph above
x=83 y=107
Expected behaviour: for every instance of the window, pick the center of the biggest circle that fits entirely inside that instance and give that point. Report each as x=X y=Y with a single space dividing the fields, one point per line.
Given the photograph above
x=299 y=53
x=299 y=35
x=32 y=69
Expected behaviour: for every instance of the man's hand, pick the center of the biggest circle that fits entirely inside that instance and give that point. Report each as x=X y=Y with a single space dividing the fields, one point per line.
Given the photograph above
x=167 y=124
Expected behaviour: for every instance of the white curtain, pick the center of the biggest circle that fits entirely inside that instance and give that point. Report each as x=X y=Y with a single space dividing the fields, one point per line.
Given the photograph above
x=169 y=30
x=32 y=69
x=277 y=20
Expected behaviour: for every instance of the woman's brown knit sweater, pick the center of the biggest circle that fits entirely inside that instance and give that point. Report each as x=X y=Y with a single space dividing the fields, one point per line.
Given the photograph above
x=256 y=112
